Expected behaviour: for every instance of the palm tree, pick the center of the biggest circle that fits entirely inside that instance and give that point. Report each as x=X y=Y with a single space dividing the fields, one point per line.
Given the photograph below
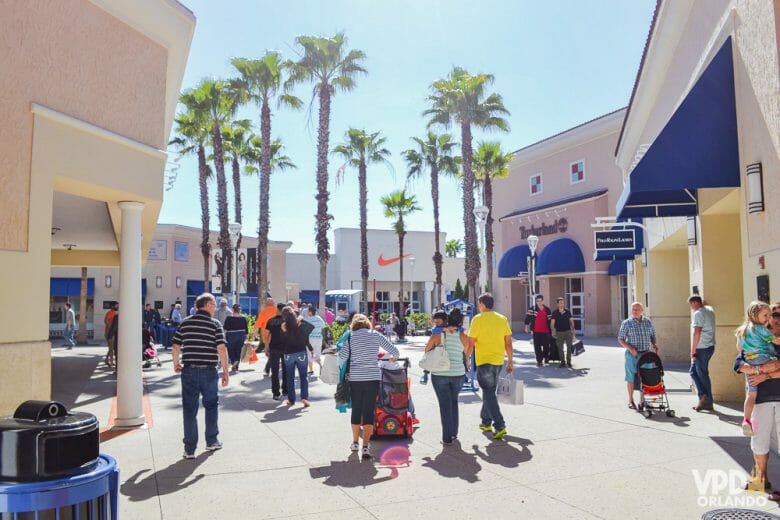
x=399 y=205
x=433 y=153
x=358 y=151
x=490 y=163
x=262 y=80
x=460 y=97
x=192 y=134
x=234 y=137
x=453 y=247
x=330 y=66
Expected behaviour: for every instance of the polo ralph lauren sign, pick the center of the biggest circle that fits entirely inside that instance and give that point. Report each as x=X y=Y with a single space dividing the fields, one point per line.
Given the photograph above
x=617 y=240
x=559 y=226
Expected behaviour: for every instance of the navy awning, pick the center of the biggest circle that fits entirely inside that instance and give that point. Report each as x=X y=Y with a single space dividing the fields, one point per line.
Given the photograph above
x=70 y=287
x=561 y=256
x=639 y=244
x=697 y=148
x=309 y=296
x=514 y=263
x=617 y=267
x=195 y=287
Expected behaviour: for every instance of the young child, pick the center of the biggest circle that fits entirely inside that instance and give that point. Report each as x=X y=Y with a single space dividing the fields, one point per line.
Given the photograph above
x=757 y=344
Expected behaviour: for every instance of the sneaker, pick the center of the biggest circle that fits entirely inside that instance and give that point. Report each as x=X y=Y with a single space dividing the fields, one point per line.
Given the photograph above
x=186 y=455
x=539 y=365
x=499 y=434
x=366 y=453
x=485 y=428
x=277 y=398
x=354 y=446
x=214 y=447
x=424 y=380
x=747 y=428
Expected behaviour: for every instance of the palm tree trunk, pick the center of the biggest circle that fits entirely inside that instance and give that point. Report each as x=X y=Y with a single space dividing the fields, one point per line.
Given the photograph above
x=401 y=268
x=222 y=207
x=237 y=194
x=437 y=259
x=470 y=232
x=363 y=229
x=323 y=218
x=81 y=337
x=265 y=188
x=488 y=199
x=205 y=247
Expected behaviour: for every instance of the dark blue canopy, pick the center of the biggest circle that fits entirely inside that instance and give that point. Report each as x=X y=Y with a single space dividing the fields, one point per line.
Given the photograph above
x=617 y=267
x=561 y=256
x=70 y=287
x=514 y=263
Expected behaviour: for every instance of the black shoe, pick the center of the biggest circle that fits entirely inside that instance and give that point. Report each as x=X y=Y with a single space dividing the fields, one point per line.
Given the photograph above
x=539 y=364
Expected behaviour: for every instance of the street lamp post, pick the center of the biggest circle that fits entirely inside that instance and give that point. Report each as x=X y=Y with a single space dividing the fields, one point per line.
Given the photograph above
x=411 y=282
x=533 y=241
x=481 y=213
x=234 y=228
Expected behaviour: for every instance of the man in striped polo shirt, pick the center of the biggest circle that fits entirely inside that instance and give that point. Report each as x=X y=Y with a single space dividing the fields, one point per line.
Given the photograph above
x=201 y=342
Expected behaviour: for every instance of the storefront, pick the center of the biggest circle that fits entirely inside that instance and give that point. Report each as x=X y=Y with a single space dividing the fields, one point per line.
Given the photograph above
x=699 y=155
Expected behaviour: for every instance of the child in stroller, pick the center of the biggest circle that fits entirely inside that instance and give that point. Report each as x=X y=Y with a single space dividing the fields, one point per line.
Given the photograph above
x=148 y=352
x=650 y=372
x=395 y=409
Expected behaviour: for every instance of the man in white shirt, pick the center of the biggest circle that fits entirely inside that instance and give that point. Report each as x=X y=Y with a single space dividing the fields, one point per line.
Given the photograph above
x=702 y=348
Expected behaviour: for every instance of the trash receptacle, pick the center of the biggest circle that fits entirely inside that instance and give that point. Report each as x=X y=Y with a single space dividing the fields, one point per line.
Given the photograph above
x=50 y=466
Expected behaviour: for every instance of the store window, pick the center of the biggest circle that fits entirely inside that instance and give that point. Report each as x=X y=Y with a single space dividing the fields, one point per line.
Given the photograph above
x=536 y=184
x=577 y=171
x=623 y=283
x=575 y=301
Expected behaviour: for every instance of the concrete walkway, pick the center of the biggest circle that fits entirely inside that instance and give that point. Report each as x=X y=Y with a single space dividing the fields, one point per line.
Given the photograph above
x=573 y=450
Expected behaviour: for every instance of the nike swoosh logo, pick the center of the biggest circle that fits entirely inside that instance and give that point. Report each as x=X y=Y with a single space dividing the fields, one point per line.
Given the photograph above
x=387 y=261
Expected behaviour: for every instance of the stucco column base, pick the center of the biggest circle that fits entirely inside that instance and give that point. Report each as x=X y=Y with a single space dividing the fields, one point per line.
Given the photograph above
x=726 y=385
x=130 y=422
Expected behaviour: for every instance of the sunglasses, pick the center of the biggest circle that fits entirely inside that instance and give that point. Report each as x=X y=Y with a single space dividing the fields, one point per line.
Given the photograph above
x=776 y=314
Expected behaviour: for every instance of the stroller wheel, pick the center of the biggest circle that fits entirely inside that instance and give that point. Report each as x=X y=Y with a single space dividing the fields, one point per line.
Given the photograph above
x=670 y=413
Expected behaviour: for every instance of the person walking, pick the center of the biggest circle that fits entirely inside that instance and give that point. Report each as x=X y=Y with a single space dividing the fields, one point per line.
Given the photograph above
x=490 y=336
x=636 y=335
x=113 y=341
x=222 y=311
x=562 y=327
x=537 y=320
x=198 y=346
x=148 y=316
x=107 y=320
x=268 y=312
x=176 y=316
x=447 y=383
x=295 y=343
x=70 y=326
x=236 y=328
x=361 y=352
x=274 y=351
x=702 y=349
x=315 y=338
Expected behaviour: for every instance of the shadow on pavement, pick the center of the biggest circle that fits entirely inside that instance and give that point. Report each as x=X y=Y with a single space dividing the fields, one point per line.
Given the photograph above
x=510 y=452
x=354 y=472
x=453 y=462
x=70 y=376
x=175 y=476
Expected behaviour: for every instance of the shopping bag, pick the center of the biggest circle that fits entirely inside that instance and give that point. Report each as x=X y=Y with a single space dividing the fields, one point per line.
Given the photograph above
x=510 y=390
x=246 y=353
x=329 y=373
x=577 y=348
x=343 y=395
x=436 y=360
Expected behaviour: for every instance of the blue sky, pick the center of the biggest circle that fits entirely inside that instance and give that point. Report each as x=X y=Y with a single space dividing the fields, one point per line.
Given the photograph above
x=556 y=64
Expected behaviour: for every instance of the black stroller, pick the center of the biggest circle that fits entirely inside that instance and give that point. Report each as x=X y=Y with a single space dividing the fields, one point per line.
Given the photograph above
x=650 y=372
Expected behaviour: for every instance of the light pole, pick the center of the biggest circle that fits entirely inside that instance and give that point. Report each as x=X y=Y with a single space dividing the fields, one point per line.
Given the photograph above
x=411 y=282
x=234 y=228
x=533 y=241
x=481 y=213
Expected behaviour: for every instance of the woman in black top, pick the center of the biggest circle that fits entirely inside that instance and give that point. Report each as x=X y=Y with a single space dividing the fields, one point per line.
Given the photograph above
x=295 y=341
x=236 y=328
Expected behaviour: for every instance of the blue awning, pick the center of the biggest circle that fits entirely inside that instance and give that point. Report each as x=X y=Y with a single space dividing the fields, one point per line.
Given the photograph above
x=70 y=287
x=514 y=263
x=309 y=296
x=561 y=256
x=639 y=244
x=697 y=148
x=195 y=287
x=617 y=267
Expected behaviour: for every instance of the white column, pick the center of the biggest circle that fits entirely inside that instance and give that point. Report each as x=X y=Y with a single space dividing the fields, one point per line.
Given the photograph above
x=129 y=385
x=427 y=297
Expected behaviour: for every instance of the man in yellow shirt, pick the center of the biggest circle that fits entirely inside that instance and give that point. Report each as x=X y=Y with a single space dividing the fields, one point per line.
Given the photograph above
x=490 y=337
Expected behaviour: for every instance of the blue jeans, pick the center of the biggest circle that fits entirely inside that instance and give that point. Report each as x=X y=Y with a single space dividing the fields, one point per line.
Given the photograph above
x=197 y=382
x=700 y=371
x=235 y=342
x=291 y=362
x=69 y=336
x=487 y=375
x=447 y=389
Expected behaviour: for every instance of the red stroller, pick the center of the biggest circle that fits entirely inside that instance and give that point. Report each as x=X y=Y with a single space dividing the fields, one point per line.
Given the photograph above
x=651 y=379
x=393 y=415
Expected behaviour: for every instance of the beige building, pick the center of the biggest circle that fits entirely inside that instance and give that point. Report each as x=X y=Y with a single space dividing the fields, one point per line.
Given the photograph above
x=699 y=155
x=89 y=95
x=173 y=272
x=555 y=190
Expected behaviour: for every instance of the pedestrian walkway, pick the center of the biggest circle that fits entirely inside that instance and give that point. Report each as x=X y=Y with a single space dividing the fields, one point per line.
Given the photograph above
x=573 y=450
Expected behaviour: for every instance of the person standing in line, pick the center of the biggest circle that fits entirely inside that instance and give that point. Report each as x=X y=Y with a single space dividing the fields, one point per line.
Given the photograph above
x=70 y=326
x=268 y=312
x=295 y=344
x=490 y=336
x=537 y=319
x=562 y=327
x=636 y=335
x=315 y=338
x=236 y=328
x=222 y=311
x=198 y=345
x=702 y=349
x=148 y=316
x=274 y=351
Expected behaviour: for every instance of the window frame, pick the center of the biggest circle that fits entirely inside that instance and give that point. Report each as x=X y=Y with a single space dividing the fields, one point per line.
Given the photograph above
x=531 y=185
x=571 y=182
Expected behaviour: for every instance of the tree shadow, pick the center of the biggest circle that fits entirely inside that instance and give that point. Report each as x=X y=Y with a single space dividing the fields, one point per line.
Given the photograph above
x=175 y=476
x=453 y=462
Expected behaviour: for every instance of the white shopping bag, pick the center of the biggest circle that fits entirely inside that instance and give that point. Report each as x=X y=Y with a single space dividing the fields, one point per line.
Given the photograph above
x=510 y=390
x=329 y=373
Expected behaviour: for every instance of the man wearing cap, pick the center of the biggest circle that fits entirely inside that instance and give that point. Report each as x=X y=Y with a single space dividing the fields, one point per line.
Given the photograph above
x=223 y=312
x=702 y=348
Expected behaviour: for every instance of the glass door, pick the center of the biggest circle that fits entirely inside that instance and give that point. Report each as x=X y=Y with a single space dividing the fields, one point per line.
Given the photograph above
x=575 y=301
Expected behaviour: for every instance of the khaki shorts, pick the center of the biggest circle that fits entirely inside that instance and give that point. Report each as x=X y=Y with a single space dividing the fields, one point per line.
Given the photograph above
x=766 y=425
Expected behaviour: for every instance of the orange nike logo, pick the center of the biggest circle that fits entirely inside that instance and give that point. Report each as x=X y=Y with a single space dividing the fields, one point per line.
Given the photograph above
x=387 y=261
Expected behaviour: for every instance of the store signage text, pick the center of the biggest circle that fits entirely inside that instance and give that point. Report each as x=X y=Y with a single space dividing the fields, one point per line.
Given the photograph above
x=620 y=240
x=559 y=226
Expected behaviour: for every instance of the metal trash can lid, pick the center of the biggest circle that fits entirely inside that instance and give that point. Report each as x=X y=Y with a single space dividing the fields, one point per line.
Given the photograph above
x=738 y=514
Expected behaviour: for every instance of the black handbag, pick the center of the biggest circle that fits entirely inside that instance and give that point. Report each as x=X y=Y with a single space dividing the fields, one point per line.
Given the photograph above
x=577 y=349
x=343 y=395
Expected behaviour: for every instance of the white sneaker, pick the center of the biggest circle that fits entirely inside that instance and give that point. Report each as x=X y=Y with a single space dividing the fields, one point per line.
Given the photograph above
x=214 y=447
x=354 y=447
x=186 y=455
x=366 y=453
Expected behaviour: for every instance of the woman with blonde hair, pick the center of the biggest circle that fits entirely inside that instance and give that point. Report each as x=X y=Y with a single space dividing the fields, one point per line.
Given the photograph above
x=361 y=353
